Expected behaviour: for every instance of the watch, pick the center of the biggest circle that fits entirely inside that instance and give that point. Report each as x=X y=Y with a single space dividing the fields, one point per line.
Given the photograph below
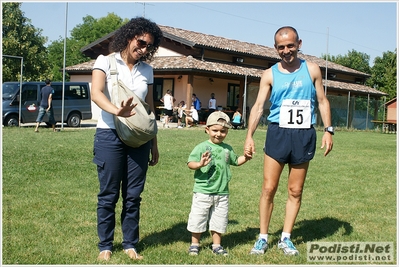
x=329 y=129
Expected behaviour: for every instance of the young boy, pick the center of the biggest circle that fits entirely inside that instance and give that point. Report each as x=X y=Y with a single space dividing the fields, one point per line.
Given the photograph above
x=211 y=161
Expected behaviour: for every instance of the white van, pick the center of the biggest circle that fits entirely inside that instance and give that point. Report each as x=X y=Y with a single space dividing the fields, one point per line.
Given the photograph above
x=77 y=102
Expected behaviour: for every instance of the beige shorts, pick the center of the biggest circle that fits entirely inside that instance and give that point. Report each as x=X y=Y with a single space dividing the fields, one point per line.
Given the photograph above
x=214 y=207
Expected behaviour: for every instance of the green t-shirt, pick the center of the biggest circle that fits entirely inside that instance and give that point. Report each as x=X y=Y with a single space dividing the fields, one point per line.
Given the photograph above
x=213 y=178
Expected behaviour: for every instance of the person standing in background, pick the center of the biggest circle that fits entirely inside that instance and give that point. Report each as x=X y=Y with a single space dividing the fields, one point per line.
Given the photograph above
x=167 y=101
x=196 y=102
x=212 y=104
x=46 y=106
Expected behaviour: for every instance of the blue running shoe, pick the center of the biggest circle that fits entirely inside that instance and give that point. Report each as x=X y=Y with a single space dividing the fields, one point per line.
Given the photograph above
x=260 y=247
x=287 y=246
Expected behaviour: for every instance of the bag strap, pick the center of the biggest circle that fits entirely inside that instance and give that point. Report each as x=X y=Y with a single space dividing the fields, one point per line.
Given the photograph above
x=114 y=77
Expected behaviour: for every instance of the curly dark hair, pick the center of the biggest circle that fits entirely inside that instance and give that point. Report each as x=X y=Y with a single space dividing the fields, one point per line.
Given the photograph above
x=136 y=26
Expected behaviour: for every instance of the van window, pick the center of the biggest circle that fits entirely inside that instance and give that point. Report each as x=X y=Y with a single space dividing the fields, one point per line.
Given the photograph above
x=29 y=93
x=77 y=92
x=9 y=90
x=71 y=92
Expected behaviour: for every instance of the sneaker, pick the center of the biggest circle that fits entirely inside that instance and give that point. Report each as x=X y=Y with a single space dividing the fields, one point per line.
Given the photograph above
x=260 y=247
x=287 y=246
x=132 y=253
x=180 y=127
x=104 y=255
x=193 y=250
x=220 y=251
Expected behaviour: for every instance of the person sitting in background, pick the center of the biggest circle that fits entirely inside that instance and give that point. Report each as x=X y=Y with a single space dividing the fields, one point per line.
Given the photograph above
x=180 y=113
x=192 y=117
x=237 y=121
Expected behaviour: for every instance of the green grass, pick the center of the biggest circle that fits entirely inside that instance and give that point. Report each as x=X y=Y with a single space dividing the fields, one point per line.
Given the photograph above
x=50 y=191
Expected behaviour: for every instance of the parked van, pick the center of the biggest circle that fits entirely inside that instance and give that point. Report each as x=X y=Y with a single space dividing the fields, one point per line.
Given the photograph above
x=77 y=102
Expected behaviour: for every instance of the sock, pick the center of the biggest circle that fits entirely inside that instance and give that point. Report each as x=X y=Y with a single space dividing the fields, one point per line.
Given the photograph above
x=195 y=244
x=285 y=235
x=264 y=236
x=215 y=246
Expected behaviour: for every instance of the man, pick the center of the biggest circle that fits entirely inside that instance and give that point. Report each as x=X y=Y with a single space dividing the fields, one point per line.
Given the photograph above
x=46 y=106
x=196 y=102
x=167 y=101
x=293 y=86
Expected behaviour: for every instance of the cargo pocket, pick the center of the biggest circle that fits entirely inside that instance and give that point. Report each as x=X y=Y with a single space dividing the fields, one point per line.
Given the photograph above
x=98 y=162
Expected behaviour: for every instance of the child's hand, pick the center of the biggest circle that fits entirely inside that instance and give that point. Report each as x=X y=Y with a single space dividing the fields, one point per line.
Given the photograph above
x=205 y=158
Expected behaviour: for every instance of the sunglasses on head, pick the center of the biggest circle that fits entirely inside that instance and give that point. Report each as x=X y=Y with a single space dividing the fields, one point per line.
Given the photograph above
x=141 y=44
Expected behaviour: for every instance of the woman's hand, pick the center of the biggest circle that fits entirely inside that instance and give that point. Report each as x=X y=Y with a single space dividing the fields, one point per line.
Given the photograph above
x=126 y=109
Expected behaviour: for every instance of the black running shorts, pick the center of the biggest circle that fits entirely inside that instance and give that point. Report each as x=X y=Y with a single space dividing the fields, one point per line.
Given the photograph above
x=293 y=146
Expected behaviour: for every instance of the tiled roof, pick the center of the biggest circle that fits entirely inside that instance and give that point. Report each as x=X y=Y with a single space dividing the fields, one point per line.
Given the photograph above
x=345 y=87
x=183 y=63
x=216 y=42
x=189 y=63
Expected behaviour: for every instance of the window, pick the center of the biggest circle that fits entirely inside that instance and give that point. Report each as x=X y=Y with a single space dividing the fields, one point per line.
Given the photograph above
x=71 y=92
x=29 y=93
x=233 y=95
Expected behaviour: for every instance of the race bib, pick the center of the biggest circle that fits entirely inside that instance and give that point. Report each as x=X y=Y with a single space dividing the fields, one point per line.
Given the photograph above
x=295 y=114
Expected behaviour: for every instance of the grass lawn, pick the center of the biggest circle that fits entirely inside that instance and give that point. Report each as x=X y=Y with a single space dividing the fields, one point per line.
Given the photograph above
x=49 y=196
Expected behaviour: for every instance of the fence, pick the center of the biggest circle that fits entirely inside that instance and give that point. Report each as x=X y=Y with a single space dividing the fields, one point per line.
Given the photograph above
x=354 y=112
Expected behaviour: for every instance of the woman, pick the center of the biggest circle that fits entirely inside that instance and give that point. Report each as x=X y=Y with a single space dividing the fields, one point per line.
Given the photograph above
x=120 y=167
x=237 y=122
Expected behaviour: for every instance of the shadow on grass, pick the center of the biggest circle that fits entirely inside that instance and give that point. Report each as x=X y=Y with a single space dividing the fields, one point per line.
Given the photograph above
x=304 y=231
x=178 y=233
x=316 y=229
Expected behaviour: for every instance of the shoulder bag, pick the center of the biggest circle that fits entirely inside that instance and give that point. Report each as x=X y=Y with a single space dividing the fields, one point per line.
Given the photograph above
x=138 y=129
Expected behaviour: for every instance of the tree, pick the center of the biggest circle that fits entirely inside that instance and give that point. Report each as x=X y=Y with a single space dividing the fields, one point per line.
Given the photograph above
x=83 y=34
x=354 y=60
x=93 y=29
x=383 y=74
x=21 y=39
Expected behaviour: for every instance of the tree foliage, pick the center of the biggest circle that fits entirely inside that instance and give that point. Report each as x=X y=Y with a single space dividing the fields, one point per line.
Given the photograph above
x=354 y=60
x=83 y=34
x=22 y=39
x=383 y=74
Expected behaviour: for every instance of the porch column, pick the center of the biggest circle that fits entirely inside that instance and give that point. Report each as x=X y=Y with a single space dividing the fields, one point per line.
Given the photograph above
x=189 y=91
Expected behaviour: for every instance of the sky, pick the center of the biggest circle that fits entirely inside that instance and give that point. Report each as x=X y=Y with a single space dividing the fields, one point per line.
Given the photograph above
x=333 y=28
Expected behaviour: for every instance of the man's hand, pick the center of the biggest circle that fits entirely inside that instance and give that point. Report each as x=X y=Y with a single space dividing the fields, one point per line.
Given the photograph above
x=249 y=148
x=327 y=142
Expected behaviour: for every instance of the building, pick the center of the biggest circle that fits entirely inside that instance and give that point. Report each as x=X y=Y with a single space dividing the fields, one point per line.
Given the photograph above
x=191 y=62
x=391 y=110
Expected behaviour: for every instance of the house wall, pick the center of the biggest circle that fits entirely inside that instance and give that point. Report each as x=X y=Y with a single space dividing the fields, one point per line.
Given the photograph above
x=95 y=110
x=392 y=112
x=164 y=52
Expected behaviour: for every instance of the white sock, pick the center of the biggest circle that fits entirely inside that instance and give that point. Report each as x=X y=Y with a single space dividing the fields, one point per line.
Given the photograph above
x=215 y=246
x=264 y=236
x=285 y=235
